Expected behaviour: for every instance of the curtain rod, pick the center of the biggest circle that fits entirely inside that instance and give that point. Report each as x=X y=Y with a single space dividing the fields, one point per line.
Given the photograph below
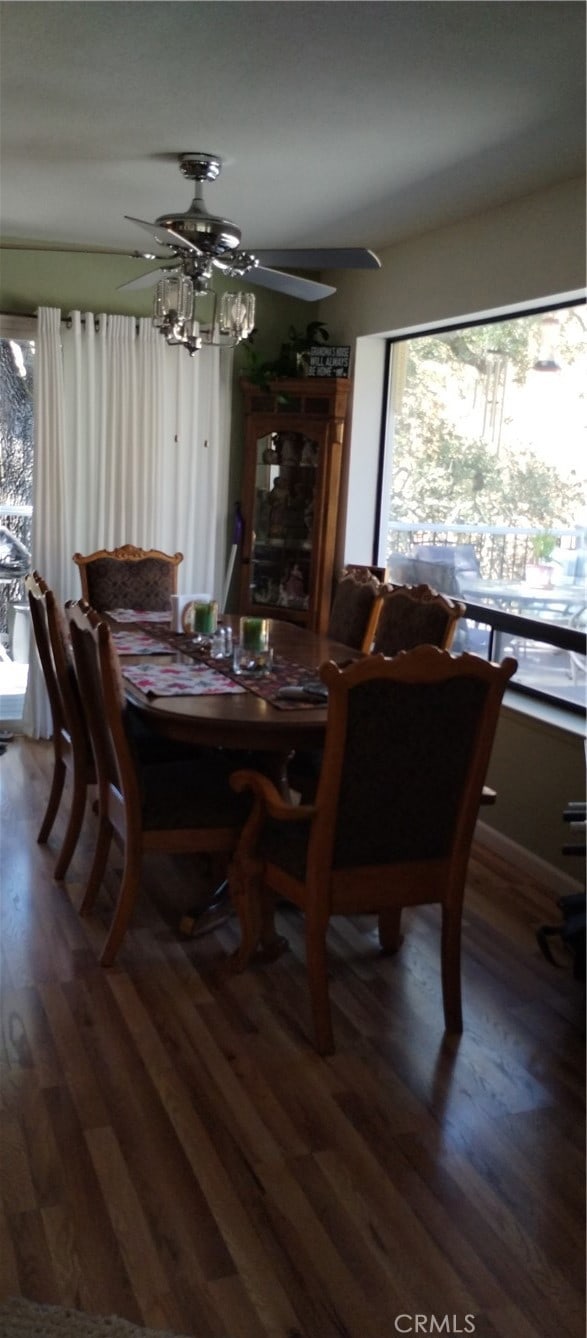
x=65 y=320
x=68 y=320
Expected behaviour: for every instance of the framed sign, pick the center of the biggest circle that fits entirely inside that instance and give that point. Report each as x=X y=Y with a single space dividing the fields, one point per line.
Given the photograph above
x=321 y=360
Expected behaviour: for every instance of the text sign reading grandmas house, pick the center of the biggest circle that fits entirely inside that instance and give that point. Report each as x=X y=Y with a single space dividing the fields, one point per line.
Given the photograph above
x=324 y=361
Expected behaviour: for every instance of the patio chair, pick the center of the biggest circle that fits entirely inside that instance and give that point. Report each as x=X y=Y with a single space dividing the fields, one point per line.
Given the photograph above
x=128 y=578
x=407 y=747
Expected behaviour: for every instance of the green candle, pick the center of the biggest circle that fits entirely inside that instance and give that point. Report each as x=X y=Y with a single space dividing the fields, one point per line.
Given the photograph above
x=254 y=633
x=205 y=617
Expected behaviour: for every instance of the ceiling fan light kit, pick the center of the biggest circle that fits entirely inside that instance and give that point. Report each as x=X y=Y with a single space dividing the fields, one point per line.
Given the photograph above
x=176 y=314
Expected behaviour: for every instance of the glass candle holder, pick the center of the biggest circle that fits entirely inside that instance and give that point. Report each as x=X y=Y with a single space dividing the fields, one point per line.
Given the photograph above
x=254 y=634
x=255 y=662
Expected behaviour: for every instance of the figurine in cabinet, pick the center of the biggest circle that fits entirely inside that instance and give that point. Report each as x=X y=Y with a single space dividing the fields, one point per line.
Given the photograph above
x=291 y=590
x=309 y=454
x=278 y=500
x=290 y=448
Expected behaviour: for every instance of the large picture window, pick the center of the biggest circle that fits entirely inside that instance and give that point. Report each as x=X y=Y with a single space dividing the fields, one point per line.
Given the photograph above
x=485 y=482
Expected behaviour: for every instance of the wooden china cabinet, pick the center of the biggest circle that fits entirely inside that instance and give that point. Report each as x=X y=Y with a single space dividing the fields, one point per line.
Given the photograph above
x=290 y=497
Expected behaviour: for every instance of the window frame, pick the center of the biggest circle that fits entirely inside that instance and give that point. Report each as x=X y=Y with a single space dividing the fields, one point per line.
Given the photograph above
x=496 y=619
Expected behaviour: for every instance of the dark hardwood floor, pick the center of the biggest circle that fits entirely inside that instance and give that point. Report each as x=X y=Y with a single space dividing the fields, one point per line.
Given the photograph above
x=175 y=1152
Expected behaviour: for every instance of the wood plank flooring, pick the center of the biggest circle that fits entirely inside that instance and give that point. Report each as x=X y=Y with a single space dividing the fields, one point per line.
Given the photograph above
x=175 y=1152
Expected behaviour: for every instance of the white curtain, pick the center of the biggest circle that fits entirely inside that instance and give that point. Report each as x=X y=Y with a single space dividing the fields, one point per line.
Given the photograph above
x=131 y=446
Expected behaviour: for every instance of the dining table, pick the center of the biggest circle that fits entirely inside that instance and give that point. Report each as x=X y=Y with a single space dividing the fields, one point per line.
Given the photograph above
x=240 y=713
x=247 y=715
x=243 y=713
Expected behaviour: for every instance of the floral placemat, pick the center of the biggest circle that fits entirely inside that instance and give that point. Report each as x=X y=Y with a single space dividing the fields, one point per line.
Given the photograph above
x=139 y=643
x=139 y=615
x=179 y=680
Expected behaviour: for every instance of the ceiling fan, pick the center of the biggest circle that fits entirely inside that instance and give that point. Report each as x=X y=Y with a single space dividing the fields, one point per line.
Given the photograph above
x=199 y=243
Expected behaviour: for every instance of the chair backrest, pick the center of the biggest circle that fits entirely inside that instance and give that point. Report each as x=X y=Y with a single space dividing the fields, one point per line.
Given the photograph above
x=352 y=606
x=37 y=590
x=363 y=573
x=407 y=616
x=407 y=746
x=55 y=653
x=100 y=681
x=128 y=578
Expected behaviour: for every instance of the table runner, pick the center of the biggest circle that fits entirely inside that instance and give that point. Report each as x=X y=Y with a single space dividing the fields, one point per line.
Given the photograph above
x=285 y=673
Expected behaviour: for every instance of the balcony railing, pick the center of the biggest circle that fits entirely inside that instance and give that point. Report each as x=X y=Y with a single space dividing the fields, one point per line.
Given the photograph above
x=538 y=615
x=503 y=552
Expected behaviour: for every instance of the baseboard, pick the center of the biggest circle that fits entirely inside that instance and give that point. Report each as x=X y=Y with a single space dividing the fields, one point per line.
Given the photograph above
x=524 y=859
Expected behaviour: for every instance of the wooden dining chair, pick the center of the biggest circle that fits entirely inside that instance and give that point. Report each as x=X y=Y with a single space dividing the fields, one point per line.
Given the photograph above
x=400 y=618
x=405 y=616
x=407 y=747
x=72 y=753
x=352 y=606
x=128 y=578
x=172 y=806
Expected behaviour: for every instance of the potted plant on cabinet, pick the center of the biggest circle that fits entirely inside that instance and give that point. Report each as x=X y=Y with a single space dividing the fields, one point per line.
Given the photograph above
x=290 y=361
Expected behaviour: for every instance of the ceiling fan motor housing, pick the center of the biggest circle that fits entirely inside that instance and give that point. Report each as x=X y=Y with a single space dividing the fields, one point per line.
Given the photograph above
x=213 y=236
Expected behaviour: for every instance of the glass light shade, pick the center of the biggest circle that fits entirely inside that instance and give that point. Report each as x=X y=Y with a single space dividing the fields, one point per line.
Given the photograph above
x=237 y=315
x=174 y=299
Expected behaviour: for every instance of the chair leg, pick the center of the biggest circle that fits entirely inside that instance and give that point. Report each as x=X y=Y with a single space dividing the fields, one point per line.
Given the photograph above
x=54 y=800
x=390 y=936
x=76 y=817
x=451 y=969
x=271 y=944
x=126 y=899
x=244 y=881
x=317 y=967
x=105 y=832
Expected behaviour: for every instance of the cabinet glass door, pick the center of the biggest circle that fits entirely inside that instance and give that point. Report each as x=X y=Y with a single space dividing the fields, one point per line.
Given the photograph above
x=286 y=473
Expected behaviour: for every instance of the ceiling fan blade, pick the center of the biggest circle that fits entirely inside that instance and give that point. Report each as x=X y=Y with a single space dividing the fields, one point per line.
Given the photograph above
x=161 y=235
x=147 y=280
x=165 y=236
x=291 y=284
x=334 y=257
x=47 y=248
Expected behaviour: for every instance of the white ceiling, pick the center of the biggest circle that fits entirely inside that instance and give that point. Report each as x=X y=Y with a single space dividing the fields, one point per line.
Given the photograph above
x=339 y=123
